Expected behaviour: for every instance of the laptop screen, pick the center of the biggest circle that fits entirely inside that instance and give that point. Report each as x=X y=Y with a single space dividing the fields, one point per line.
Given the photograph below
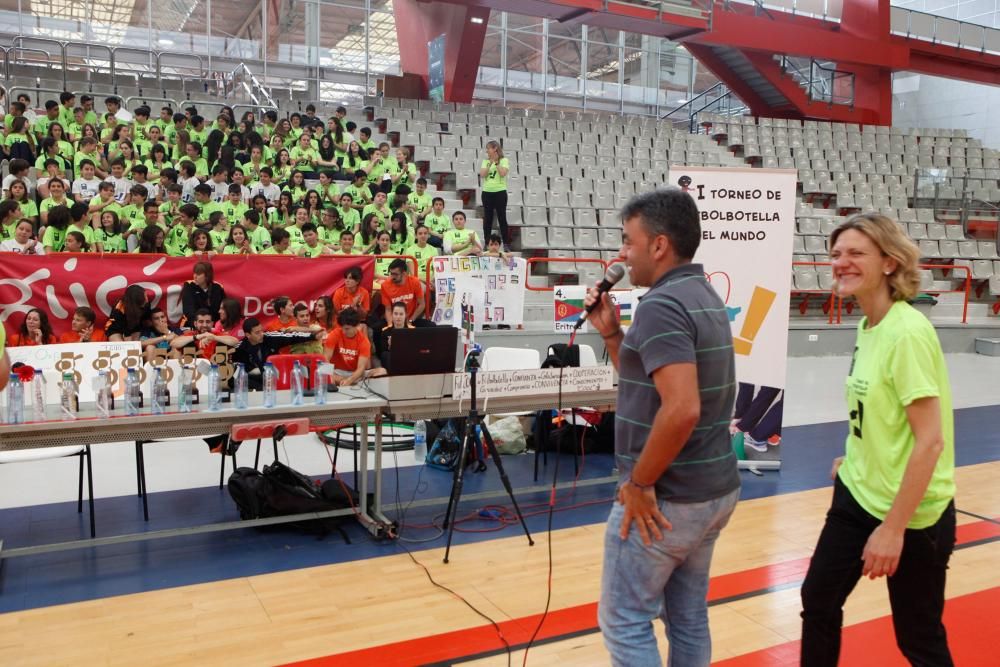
x=423 y=350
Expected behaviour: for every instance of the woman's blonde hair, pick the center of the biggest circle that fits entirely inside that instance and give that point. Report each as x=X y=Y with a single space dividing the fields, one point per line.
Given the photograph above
x=904 y=282
x=495 y=145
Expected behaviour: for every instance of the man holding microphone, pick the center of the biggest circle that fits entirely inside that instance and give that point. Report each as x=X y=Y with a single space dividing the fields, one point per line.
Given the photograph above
x=679 y=479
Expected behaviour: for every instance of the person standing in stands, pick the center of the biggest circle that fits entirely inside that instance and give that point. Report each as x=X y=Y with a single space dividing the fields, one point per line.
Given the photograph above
x=893 y=509
x=34 y=330
x=679 y=480
x=201 y=292
x=493 y=171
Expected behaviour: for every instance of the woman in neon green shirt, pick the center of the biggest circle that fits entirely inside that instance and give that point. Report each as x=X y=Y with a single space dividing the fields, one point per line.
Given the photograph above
x=493 y=171
x=893 y=511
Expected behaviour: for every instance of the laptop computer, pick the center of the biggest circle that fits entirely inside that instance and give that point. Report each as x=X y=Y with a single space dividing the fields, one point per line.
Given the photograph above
x=423 y=351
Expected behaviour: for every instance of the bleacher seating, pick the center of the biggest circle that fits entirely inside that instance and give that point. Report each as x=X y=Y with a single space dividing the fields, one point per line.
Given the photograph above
x=572 y=170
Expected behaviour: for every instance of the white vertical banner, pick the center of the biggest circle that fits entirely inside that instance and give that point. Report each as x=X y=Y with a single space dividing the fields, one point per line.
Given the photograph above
x=748 y=225
x=491 y=288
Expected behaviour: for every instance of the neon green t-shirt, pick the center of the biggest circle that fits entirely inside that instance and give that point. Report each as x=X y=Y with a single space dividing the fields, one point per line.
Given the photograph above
x=295 y=234
x=356 y=193
x=494 y=182
x=439 y=224
x=205 y=209
x=383 y=214
x=177 y=239
x=49 y=203
x=87 y=231
x=132 y=217
x=54 y=239
x=329 y=235
x=234 y=212
x=895 y=363
x=454 y=237
x=315 y=251
x=29 y=209
x=81 y=156
x=110 y=242
x=273 y=251
x=349 y=217
x=422 y=254
x=419 y=202
x=260 y=238
x=303 y=160
x=219 y=238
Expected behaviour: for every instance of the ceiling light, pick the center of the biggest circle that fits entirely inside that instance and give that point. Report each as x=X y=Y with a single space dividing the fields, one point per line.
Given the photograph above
x=476 y=19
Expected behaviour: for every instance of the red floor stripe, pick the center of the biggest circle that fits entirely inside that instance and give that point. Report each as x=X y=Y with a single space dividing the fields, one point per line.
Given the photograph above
x=971 y=620
x=479 y=639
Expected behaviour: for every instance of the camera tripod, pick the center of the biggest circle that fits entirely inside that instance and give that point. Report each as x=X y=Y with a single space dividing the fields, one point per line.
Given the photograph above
x=473 y=420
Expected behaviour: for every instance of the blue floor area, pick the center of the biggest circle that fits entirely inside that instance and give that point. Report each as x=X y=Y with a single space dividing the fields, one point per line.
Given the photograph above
x=84 y=574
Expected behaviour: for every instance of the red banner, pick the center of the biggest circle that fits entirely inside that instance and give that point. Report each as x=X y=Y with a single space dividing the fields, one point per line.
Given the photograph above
x=59 y=283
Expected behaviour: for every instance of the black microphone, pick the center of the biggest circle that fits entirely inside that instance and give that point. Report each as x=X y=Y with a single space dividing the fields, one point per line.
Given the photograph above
x=614 y=274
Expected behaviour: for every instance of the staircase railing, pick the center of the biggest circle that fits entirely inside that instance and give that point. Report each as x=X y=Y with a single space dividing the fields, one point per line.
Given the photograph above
x=242 y=77
x=823 y=82
x=717 y=99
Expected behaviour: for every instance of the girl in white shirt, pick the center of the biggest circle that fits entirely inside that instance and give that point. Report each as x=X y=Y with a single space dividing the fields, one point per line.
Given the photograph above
x=23 y=241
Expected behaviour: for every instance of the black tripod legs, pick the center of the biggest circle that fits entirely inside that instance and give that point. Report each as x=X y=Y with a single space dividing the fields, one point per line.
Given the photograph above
x=459 y=479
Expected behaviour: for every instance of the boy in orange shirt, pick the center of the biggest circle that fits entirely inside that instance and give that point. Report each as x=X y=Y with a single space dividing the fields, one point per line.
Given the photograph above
x=405 y=288
x=352 y=295
x=83 y=330
x=349 y=350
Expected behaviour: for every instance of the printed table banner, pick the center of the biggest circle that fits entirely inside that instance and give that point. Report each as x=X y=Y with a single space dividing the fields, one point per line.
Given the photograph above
x=57 y=284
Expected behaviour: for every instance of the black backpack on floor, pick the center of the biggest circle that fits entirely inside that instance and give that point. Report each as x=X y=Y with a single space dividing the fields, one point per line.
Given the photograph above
x=282 y=491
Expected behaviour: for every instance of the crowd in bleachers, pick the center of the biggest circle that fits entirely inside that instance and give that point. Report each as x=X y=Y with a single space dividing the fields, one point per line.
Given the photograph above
x=352 y=327
x=175 y=182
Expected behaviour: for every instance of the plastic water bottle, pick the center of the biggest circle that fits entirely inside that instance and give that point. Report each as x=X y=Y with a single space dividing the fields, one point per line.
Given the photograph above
x=132 y=395
x=214 y=395
x=67 y=397
x=270 y=385
x=241 y=387
x=158 y=392
x=420 y=441
x=15 y=400
x=320 y=392
x=103 y=395
x=184 y=397
x=38 y=395
x=298 y=383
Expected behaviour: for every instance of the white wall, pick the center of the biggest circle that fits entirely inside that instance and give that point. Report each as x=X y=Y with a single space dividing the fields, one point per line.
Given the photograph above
x=927 y=101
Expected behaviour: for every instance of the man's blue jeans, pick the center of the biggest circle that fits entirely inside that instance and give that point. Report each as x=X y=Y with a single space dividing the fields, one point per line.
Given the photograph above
x=668 y=579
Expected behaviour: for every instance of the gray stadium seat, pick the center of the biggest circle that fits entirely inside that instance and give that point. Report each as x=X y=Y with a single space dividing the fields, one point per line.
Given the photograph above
x=560 y=237
x=585 y=217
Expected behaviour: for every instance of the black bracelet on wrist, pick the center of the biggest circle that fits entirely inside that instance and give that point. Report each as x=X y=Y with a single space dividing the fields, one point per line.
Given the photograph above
x=641 y=487
x=614 y=335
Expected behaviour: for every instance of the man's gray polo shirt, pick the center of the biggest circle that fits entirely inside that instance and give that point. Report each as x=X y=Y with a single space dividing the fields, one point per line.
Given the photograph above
x=681 y=319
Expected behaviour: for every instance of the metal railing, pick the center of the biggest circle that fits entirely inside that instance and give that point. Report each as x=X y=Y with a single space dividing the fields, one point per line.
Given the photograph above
x=941 y=30
x=823 y=82
x=834 y=305
x=717 y=99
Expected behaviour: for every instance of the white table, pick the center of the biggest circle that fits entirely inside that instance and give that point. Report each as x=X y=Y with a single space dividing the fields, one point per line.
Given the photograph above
x=91 y=429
